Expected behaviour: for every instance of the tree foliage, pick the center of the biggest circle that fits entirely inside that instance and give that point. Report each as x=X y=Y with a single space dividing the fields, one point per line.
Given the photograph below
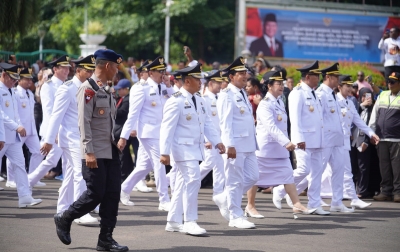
x=136 y=27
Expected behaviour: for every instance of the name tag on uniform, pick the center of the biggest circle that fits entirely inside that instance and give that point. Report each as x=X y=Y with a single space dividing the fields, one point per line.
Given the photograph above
x=186 y=107
x=152 y=94
x=164 y=92
x=213 y=105
x=101 y=96
x=239 y=100
x=5 y=94
x=308 y=98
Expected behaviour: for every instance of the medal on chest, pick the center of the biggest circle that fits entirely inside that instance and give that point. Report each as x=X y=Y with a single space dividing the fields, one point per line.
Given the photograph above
x=23 y=105
x=101 y=111
x=214 y=113
x=311 y=108
x=333 y=110
x=153 y=103
x=189 y=117
x=7 y=104
x=241 y=110
x=279 y=117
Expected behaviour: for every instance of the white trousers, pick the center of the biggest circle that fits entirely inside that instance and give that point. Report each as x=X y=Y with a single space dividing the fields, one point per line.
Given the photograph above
x=151 y=147
x=214 y=161
x=309 y=162
x=349 y=190
x=73 y=184
x=32 y=142
x=240 y=175
x=14 y=153
x=51 y=161
x=186 y=191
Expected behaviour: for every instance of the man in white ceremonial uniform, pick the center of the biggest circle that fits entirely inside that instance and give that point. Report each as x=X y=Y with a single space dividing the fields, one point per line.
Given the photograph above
x=238 y=135
x=307 y=132
x=63 y=125
x=13 y=131
x=333 y=149
x=185 y=123
x=47 y=93
x=26 y=102
x=146 y=103
x=213 y=160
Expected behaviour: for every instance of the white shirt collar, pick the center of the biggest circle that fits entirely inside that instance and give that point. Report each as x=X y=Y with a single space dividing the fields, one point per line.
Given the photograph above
x=186 y=93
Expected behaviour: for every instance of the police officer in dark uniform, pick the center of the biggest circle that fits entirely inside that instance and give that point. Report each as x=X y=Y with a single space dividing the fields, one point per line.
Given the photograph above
x=101 y=165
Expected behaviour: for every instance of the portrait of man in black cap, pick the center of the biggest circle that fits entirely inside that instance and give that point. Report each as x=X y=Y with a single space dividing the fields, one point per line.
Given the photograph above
x=268 y=44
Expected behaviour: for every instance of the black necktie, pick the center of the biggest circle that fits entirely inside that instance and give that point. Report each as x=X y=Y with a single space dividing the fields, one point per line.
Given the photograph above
x=194 y=102
x=241 y=91
x=279 y=102
x=159 y=89
x=27 y=93
x=347 y=102
x=216 y=97
x=333 y=93
x=10 y=91
x=313 y=93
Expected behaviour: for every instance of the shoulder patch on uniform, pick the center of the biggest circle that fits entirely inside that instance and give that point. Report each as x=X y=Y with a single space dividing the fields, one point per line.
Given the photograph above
x=297 y=87
x=198 y=94
x=68 y=83
x=226 y=89
x=144 y=83
x=319 y=89
x=89 y=93
x=266 y=98
x=49 y=80
x=177 y=94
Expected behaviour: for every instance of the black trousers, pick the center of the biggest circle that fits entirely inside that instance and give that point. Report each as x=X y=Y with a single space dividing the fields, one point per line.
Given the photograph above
x=127 y=163
x=103 y=187
x=362 y=171
x=389 y=164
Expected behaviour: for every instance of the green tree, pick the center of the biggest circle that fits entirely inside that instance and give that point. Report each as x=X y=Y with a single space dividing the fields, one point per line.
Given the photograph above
x=17 y=17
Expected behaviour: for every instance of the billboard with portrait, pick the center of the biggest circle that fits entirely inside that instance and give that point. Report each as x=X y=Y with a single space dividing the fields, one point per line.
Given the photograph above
x=315 y=36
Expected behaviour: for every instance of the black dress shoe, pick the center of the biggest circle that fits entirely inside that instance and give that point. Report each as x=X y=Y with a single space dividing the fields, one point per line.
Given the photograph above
x=63 y=228
x=107 y=243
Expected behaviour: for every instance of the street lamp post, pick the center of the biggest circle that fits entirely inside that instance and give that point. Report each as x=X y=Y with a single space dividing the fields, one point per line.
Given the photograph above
x=41 y=34
x=166 y=40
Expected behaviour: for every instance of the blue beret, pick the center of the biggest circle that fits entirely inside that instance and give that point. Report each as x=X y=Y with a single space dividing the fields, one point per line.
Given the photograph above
x=107 y=54
x=124 y=83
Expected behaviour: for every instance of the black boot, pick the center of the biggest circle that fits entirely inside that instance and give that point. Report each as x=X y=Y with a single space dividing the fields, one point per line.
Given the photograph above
x=63 y=227
x=107 y=243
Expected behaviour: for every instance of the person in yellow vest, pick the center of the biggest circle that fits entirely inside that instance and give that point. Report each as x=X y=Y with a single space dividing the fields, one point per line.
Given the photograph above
x=385 y=121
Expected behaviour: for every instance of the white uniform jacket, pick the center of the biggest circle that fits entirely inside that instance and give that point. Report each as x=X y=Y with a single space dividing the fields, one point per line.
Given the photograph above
x=211 y=108
x=236 y=120
x=333 y=133
x=64 y=118
x=350 y=115
x=272 y=135
x=146 y=109
x=183 y=128
x=9 y=111
x=47 y=92
x=306 y=117
x=25 y=110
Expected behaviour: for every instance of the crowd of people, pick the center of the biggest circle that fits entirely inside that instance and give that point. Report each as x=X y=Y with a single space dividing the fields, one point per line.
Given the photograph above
x=324 y=140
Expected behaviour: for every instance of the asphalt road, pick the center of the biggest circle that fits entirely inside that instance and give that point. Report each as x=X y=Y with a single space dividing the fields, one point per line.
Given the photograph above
x=141 y=227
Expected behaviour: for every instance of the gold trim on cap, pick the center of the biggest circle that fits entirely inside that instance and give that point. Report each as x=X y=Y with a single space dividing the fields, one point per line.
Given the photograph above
x=333 y=72
x=317 y=71
x=159 y=67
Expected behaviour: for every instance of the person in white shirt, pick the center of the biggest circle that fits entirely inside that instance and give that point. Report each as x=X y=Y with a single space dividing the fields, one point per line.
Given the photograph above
x=146 y=104
x=238 y=135
x=390 y=44
x=213 y=160
x=47 y=95
x=13 y=131
x=26 y=104
x=63 y=125
x=185 y=123
x=307 y=132
x=272 y=138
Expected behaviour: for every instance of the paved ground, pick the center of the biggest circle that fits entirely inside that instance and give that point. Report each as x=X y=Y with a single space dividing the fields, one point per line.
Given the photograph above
x=142 y=227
